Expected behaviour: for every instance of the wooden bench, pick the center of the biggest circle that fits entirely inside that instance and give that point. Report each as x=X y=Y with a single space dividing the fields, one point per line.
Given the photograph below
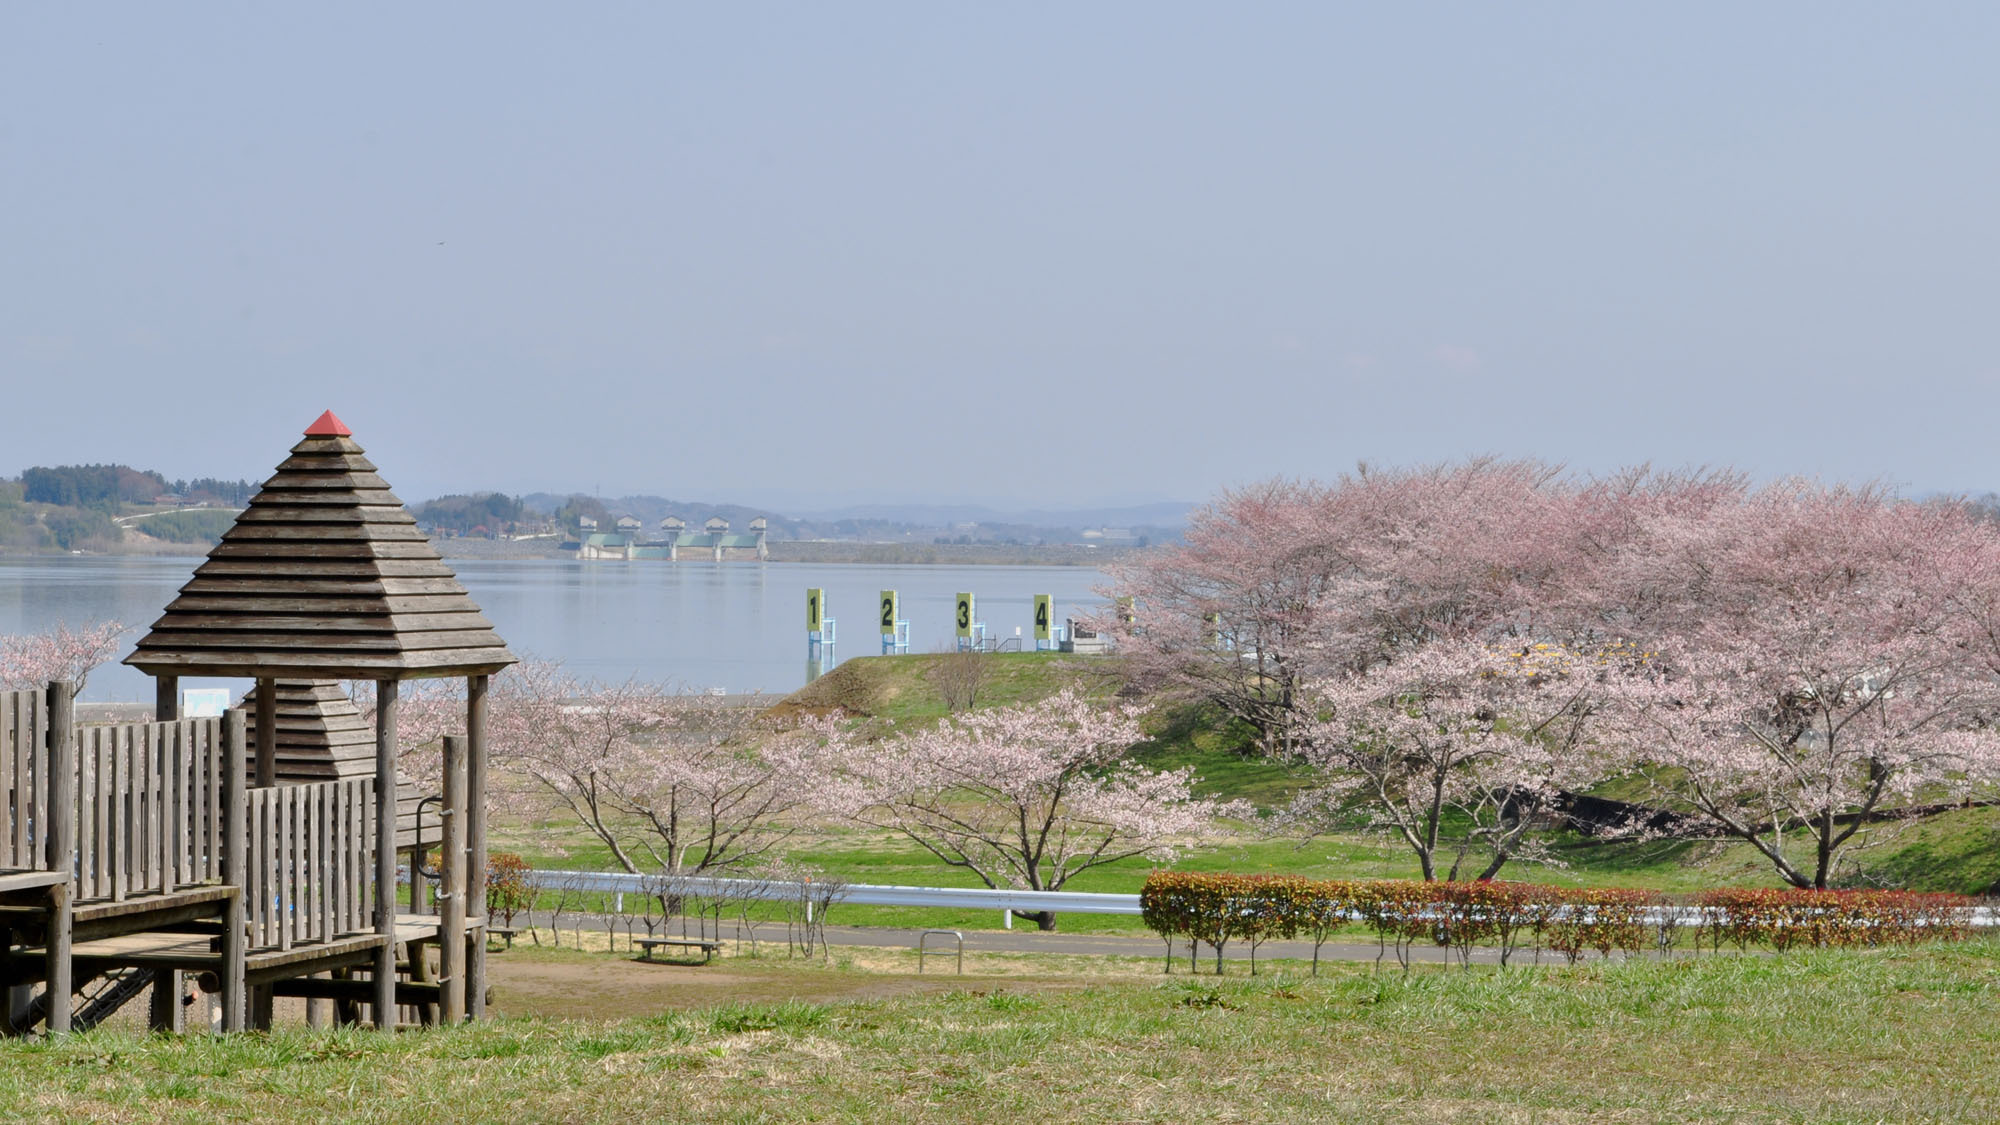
x=706 y=945
x=505 y=933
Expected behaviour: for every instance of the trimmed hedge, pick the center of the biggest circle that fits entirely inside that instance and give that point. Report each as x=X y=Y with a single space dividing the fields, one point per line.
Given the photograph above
x=1215 y=909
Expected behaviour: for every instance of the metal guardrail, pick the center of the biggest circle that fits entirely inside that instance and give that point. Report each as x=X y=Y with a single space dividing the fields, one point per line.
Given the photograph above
x=969 y=898
x=864 y=894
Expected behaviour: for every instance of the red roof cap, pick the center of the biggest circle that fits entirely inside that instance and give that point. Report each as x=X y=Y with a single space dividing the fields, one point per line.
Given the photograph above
x=328 y=426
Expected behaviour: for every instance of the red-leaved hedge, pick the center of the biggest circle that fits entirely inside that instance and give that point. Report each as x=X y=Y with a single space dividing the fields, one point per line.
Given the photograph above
x=1215 y=909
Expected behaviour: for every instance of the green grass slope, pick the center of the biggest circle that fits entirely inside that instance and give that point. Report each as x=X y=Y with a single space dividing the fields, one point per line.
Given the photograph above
x=1904 y=1035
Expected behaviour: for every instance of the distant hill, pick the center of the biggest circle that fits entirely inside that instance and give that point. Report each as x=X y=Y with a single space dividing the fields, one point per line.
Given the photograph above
x=1167 y=514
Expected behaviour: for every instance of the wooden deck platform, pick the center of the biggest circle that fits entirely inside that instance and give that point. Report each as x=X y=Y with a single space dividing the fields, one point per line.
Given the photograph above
x=196 y=951
x=14 y=881
x=106 y=918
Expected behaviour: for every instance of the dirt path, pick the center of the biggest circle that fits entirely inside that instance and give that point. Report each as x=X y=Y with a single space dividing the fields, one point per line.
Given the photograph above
x=586 y=986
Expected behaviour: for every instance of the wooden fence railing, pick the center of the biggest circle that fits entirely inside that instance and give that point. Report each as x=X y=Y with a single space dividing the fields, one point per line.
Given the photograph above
x=149 y=815
x=24 y=769
x=309 y=873
x=142 y=808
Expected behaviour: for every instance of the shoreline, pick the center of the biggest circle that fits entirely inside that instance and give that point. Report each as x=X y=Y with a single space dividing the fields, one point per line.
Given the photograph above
x=782 y=551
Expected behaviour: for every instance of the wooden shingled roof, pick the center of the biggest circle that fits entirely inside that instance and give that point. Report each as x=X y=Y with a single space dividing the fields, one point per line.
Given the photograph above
x=323 y=576
x=321 y=733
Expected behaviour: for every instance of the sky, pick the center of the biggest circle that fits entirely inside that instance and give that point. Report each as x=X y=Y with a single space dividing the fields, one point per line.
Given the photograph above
x=813 y=254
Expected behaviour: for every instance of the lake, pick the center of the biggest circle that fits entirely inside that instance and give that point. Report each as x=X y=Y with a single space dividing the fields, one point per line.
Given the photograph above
x=694 y=626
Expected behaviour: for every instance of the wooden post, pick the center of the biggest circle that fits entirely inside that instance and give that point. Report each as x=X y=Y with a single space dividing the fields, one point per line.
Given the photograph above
x=165 y=1010
x=475 y=844
x=59 y=846
x=57 y=964
x=316 y=1010
x=235 y=869
x=59 y=837
x=267 y=732
x=166 y=698
x=451 y=890
x=385 y=853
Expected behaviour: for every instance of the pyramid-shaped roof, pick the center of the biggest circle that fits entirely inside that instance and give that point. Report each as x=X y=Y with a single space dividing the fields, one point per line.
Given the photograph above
x=321 y=733
x=323 y=576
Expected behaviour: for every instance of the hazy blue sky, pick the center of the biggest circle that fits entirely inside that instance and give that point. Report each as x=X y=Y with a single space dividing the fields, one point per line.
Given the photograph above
x=805 y=254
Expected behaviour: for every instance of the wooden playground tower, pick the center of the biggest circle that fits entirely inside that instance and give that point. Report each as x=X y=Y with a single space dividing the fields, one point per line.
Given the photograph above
x=251 y=850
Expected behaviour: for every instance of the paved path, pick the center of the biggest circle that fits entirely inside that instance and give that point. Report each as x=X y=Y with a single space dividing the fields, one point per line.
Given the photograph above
x=1037 y=941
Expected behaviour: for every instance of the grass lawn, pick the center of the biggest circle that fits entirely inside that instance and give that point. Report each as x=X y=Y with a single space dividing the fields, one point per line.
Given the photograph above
x=1889 y=1035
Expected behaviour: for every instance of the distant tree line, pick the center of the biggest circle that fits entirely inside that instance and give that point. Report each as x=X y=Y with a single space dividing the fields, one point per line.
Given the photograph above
x=231 y=493
x=102 y=487
x=493 y=511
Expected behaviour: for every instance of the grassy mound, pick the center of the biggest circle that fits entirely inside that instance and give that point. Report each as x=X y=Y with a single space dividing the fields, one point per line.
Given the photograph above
x=912 y=688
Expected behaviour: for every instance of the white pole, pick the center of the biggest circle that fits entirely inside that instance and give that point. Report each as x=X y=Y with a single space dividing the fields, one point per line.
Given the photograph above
x=1007 y=919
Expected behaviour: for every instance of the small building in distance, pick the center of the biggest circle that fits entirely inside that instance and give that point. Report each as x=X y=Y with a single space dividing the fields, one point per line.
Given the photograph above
x=714 y=542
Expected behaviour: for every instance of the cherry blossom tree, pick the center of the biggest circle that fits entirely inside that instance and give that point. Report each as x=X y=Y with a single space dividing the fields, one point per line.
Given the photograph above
x=1286 y=579
x=32 y=660
x=1456 y=747
x=1026 y=796
x=682 y=785
x=1818 y=662
x=1227 y=613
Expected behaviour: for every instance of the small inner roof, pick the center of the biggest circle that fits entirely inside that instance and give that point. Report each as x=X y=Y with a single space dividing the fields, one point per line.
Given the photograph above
x=323 y=576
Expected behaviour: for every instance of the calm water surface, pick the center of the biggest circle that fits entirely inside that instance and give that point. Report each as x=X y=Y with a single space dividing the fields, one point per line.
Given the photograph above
x=695 y=626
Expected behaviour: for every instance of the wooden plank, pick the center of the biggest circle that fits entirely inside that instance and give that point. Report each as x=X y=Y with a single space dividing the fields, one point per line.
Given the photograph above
x=118 y=814
x=327 y=988
x=212 y=814
x=351 y=460
x=147 y=822
x=300 y=479
x=21 y=781
x=304 y=575
x=10 y=738
x=330 y=665
x=320 y=533
x=39 y=749
x=326 y=515
x=254 y=549
x=322 y=497
x=335 y=639
x=9 y=706
x=340 y=869
x=323 y=853
x=253 y=848
x=250 y=619
x=182 y=849
x=316 y=600
x=283 y=840
x=86 y=815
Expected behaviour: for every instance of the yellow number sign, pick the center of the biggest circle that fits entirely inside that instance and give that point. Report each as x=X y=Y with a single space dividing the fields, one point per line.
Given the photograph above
x=815 y=608
x=1045 y=612
x=964 y=619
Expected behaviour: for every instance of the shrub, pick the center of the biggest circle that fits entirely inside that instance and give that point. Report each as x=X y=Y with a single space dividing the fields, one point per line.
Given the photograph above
x=507 y=889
